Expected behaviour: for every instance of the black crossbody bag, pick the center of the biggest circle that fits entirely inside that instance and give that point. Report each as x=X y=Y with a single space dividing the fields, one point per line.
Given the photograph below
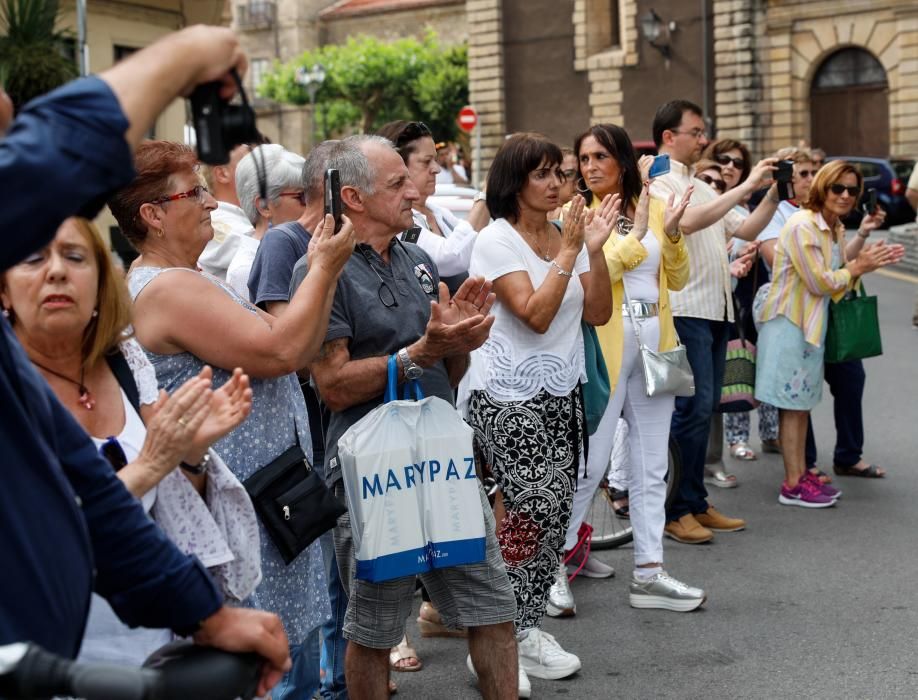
x=293 y=502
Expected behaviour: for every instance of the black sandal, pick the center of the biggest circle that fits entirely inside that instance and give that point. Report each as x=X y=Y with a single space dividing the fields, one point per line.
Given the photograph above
x=617 y=496
x=870 y=472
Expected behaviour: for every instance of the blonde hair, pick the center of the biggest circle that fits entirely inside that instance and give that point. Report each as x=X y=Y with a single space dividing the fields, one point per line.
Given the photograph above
x=828 y=175
x=113 y=301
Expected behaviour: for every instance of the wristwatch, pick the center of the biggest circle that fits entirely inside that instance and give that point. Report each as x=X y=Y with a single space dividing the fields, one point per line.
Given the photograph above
x=479 y=197
x=199 y=468
x=412 y=370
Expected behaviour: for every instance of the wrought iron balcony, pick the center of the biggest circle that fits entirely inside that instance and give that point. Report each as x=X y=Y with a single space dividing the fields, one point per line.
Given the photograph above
x=256 y=14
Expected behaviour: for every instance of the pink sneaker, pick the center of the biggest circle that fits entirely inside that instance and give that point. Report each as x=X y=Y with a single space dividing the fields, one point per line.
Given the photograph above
x=805 y=494
x=826 y=489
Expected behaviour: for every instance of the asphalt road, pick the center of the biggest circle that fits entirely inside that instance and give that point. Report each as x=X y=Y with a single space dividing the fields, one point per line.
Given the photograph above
x=804 y=603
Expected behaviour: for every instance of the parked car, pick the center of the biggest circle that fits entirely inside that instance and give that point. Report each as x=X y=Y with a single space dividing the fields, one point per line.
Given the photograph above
x=889 y=177
x=456 y=198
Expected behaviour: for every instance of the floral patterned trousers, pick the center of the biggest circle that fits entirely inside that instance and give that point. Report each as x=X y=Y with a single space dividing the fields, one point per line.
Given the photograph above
x=534 y=449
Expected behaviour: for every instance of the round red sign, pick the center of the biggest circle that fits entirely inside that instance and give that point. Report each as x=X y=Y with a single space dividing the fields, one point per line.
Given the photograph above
x=467 y=119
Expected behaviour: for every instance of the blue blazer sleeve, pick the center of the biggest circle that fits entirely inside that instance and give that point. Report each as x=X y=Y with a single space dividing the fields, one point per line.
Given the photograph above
x=64 y=155
x=144 y=577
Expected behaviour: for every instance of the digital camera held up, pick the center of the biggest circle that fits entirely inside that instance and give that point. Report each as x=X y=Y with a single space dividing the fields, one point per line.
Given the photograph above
x=219 y=125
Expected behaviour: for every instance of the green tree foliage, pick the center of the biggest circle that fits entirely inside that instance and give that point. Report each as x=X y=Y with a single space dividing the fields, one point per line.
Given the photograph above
x=370 y=82
x=31 y=56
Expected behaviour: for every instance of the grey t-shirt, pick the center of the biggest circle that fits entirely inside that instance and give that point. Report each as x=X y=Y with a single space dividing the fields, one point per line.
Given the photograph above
x=375 y=329
x=272 y=268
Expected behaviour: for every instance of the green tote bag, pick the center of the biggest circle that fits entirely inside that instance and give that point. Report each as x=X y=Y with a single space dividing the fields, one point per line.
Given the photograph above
x=854 y=328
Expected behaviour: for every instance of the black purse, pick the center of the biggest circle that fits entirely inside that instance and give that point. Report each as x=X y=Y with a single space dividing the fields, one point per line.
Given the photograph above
x=293 y=502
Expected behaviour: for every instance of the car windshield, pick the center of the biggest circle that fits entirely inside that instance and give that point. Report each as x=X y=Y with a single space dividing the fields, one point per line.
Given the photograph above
x=903 y=168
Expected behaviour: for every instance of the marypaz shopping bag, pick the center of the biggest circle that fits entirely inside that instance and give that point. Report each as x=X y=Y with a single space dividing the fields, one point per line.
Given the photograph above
x=453 y=519
x=402 y=466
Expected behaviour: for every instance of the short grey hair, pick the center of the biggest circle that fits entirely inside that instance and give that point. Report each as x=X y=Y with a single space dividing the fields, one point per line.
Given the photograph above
x=354 y=168
x=313 y=176
x=282 y=169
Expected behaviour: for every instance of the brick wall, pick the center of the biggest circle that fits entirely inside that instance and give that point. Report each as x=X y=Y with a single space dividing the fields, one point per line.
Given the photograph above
x=486 y=74
x=447 y=20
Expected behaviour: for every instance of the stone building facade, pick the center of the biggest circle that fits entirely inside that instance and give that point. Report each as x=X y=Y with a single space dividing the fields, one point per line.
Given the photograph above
x=840 y=75
x=280 y=30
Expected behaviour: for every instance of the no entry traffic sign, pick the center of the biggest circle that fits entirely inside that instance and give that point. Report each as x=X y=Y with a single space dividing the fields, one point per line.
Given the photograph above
x=467 y=119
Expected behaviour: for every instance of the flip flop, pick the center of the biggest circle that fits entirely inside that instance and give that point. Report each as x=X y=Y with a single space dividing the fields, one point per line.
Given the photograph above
x=820 y=474
x=870 y=472
x=620 y=496
x=403 y=652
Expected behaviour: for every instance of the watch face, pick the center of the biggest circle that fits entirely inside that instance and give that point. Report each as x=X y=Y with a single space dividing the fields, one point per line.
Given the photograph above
x=414 y=372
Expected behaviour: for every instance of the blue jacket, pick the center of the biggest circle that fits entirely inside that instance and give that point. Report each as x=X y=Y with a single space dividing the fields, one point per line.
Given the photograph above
x=67 y=524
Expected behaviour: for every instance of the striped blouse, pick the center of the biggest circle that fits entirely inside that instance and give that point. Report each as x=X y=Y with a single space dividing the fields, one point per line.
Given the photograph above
x=803 y=277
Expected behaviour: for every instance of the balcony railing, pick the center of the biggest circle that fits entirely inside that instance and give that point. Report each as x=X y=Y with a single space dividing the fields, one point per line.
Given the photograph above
x=255 y=14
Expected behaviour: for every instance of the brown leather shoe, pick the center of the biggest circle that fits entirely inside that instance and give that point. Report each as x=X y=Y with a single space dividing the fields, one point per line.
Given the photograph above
x=687 y=530
x=714 y=520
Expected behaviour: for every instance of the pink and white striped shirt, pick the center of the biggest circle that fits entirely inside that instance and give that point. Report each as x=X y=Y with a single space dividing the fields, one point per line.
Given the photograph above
x=803 y=276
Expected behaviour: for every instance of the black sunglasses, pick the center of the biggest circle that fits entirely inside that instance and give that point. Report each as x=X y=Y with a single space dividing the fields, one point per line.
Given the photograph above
x=839 y=189
x=113 y=452
x=724 y=159
x=411 y=132
x=718 y=185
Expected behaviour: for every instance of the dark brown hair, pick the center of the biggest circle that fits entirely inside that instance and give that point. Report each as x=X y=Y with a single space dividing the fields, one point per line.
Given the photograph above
x=617 y=142
x=517 y=157
x=721 y=146
x=405 y=135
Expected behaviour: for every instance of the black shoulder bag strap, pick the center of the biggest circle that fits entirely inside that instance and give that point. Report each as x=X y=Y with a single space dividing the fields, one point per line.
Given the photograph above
x=125 y=377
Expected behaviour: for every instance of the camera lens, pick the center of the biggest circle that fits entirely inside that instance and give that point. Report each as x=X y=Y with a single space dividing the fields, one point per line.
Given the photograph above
x=238 y=126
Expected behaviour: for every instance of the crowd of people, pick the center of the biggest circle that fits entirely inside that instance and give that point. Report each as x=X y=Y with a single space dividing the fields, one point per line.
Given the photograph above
x=247 y=326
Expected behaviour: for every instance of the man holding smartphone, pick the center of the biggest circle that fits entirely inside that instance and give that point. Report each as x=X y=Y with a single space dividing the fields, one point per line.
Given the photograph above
x=389 y=300
x=703 y=310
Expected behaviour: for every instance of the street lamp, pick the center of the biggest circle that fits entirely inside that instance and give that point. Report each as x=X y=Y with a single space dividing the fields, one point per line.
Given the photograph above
x=312 y=80
x=657 y=33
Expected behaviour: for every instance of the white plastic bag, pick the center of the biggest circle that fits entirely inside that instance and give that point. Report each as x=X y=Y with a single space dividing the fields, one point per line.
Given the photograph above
x=411 y=487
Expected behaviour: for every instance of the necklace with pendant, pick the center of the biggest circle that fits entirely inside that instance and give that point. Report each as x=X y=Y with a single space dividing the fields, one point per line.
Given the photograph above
x=86 y=400
x=538 y=248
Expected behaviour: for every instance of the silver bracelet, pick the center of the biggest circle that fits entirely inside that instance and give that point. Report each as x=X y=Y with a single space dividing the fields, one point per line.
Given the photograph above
x=561 y=270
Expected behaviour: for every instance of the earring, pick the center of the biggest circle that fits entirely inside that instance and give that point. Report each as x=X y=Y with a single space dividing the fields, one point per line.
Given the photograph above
x=95 y=312
x=584 y=190
x=6 y=312
x=160 y=233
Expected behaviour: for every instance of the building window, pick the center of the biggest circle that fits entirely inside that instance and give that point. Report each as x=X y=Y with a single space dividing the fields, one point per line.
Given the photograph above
x=257 y=70
x=849 y=67
x=255 y=14
x=602 y=26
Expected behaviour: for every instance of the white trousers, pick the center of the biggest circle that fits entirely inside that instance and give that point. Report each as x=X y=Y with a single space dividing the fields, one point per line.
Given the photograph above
x=648 y=436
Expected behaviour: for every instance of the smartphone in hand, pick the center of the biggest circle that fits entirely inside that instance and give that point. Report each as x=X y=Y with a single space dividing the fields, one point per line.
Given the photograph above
x=660 y=166
x=869 y=201
x=783 y=176
x=333 y=196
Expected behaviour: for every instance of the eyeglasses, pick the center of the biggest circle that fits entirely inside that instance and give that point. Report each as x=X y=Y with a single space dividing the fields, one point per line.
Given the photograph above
x=569 y=174
x=694 y=133
x=299 y=196
x=806 y=173
x=718 y=185
x=411 y=132
x=113 y=452
x=196 y=193
x=384 y=293
x=839 y=189
x=724 y=159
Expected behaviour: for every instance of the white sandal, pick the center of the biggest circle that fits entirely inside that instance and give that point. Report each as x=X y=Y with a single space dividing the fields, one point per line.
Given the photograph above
x=741 y=450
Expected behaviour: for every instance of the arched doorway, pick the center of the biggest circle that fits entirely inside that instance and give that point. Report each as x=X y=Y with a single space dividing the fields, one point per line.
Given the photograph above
x=849 y=105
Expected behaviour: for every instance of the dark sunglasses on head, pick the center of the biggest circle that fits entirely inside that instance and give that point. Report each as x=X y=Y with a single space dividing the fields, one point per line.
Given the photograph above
x=113 y=452
x=724 y=159
x=839 y=189
x=411 y=132
x=718 y=185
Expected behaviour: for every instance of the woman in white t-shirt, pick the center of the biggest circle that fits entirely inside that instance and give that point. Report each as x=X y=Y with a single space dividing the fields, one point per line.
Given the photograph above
x=524 y=399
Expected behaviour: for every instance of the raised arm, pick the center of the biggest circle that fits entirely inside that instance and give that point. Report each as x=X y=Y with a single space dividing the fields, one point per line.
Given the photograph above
x=224 y=334
x=700 y=216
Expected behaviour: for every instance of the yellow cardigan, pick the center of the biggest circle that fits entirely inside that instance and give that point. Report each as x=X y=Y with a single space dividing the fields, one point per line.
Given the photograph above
x=625 y=253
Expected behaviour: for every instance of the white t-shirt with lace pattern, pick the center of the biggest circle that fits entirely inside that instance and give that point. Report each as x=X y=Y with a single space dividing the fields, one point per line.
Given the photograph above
x=516 y=363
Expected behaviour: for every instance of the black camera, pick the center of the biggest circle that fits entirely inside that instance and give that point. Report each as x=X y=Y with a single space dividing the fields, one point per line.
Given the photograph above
x=219 y=125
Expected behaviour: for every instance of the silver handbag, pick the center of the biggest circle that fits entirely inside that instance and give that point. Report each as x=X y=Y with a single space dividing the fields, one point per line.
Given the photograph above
x=666 y=372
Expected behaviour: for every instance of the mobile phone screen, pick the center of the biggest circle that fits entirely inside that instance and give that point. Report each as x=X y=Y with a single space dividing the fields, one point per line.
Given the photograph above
x=333 y=196
x=660 y=166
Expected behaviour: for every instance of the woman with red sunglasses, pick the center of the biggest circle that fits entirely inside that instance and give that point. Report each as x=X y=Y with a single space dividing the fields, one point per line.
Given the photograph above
x=807 y=273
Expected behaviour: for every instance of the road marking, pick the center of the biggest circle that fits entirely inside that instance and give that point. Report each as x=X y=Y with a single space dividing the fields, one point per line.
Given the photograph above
x=901 y=276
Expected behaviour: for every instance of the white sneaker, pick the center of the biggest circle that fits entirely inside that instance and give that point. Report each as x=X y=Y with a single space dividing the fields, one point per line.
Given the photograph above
x=560 y=598
x=541 y=656
x=592 y=568
x=523 y=684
